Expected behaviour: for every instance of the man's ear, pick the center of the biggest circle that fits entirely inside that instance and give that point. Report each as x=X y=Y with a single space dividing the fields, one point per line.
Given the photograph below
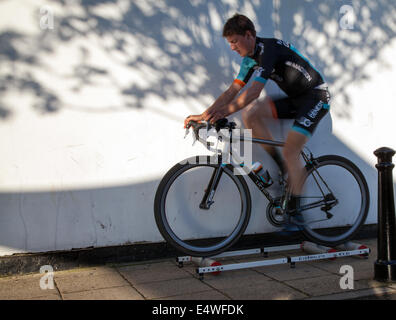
x=248 y=34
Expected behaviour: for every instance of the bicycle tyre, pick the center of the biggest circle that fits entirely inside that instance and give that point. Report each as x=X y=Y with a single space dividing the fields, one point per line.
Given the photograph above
x=357 y=175
x=160 y=213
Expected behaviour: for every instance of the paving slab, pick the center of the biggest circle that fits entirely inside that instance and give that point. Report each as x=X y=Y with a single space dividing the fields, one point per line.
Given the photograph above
x=392 y=285
x=116 y=293
x=284 y=272
x=362 y=268
x=365 y=294
x=383 y=294
x=25 y=287
x=203 y=295
x=151 y=272
x=235 y=279
x=268 y=290
x=46 y=297
x=169 y=288
x=78 y=280
x=323 y=285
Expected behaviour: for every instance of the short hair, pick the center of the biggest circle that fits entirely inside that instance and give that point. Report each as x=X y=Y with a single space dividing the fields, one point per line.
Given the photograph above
x=238 y=24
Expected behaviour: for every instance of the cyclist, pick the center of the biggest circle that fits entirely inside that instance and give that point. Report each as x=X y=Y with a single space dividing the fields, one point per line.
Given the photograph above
x=307 y=93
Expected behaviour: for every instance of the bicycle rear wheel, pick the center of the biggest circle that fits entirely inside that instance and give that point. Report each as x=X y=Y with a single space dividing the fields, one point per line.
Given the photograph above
x=337 y=193
x=181 y=220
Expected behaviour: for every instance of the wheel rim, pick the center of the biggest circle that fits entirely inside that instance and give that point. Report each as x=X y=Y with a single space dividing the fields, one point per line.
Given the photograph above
x=348 y=214
x=185 y=225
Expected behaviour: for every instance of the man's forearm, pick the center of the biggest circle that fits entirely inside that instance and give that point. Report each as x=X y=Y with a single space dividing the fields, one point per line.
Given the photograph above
x=223 y=100
x=226 y=105
x=241 y=102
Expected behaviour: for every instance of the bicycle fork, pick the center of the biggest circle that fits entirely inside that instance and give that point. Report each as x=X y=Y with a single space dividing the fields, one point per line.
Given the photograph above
x=210 y=190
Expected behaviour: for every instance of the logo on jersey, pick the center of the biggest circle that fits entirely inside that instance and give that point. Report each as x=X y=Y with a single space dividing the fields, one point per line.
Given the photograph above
x=283 y=43
x=305 y=122
x=261 y=48
x=315 y=110
x=259 y=71
x=299 y=68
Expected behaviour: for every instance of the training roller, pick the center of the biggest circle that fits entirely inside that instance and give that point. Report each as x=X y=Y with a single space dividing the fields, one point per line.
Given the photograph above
x=207 y=265
x=311 y=247
x=206 y=262
x=352 y=246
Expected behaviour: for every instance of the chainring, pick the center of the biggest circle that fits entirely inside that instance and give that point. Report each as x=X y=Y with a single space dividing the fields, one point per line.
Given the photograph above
x=275 y=215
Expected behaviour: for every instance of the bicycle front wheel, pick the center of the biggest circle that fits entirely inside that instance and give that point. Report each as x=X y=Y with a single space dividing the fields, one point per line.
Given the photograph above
x=335 y=202
x=187 y=225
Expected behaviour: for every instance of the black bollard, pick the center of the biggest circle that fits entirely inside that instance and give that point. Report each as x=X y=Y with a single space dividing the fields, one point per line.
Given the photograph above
x=385 y=265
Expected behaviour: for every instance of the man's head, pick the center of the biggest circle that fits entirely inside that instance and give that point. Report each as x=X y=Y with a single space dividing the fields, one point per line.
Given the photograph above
x=240 y=34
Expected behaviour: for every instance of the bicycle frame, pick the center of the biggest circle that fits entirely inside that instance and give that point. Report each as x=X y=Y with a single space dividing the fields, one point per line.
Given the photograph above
x=237 y=163
x=231 y=205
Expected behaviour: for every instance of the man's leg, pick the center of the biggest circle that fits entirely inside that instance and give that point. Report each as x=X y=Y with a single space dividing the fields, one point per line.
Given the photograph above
x=254 y=117
x=291 y=152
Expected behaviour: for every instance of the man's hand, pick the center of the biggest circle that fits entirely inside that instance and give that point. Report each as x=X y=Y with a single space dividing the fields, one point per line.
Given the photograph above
x=197 y=118
x=213 y=115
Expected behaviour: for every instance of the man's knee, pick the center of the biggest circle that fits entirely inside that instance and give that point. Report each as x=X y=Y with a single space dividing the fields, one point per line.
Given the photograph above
x=256 y=112
x=290 y=153
x=294 y=144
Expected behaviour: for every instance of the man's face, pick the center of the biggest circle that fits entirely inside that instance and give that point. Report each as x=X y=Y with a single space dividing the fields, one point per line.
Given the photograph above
x=243 y=45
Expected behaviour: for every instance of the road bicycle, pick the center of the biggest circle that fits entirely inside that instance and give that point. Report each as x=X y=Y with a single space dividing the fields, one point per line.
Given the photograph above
x=203 y=204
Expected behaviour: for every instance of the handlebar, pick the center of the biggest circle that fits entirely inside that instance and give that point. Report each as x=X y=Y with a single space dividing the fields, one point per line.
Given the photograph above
x=218 y=125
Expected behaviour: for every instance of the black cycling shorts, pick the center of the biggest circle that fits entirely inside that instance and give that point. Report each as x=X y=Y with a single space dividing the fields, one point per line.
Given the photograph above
x=307 y=110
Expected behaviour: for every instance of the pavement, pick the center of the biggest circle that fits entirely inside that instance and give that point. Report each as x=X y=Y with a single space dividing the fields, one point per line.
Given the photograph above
x=164 y=280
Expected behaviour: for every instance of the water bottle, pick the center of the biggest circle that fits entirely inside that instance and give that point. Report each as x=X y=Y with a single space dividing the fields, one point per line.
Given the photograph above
x=257 y=168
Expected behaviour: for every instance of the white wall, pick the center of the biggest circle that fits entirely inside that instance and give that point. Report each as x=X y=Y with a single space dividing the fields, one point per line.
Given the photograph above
x=91 y=111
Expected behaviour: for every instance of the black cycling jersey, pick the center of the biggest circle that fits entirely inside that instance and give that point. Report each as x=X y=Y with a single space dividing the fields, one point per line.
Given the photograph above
x=308 y=95
x=281 y=62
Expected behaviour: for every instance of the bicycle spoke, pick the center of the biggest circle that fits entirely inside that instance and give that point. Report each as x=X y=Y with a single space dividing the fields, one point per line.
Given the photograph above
x=186 y=216
x=325 y=190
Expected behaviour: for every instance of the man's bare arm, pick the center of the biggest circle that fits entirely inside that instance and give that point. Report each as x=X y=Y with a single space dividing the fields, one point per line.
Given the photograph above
x=224 y=99
x=241 y=102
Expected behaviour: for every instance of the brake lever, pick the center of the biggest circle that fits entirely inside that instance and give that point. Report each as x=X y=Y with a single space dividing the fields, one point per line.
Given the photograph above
x=194 y=139
x=186 y=133
x=194 y=136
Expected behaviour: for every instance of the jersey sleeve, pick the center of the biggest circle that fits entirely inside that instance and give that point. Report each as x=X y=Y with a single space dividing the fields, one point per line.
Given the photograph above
x=246 y=71
x=267 y=60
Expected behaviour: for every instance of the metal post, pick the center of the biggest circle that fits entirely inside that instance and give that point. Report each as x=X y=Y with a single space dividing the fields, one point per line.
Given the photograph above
x=385 y=265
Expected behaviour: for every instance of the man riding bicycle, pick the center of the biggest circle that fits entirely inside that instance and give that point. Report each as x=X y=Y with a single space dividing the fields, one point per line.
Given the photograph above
x=307 y=98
